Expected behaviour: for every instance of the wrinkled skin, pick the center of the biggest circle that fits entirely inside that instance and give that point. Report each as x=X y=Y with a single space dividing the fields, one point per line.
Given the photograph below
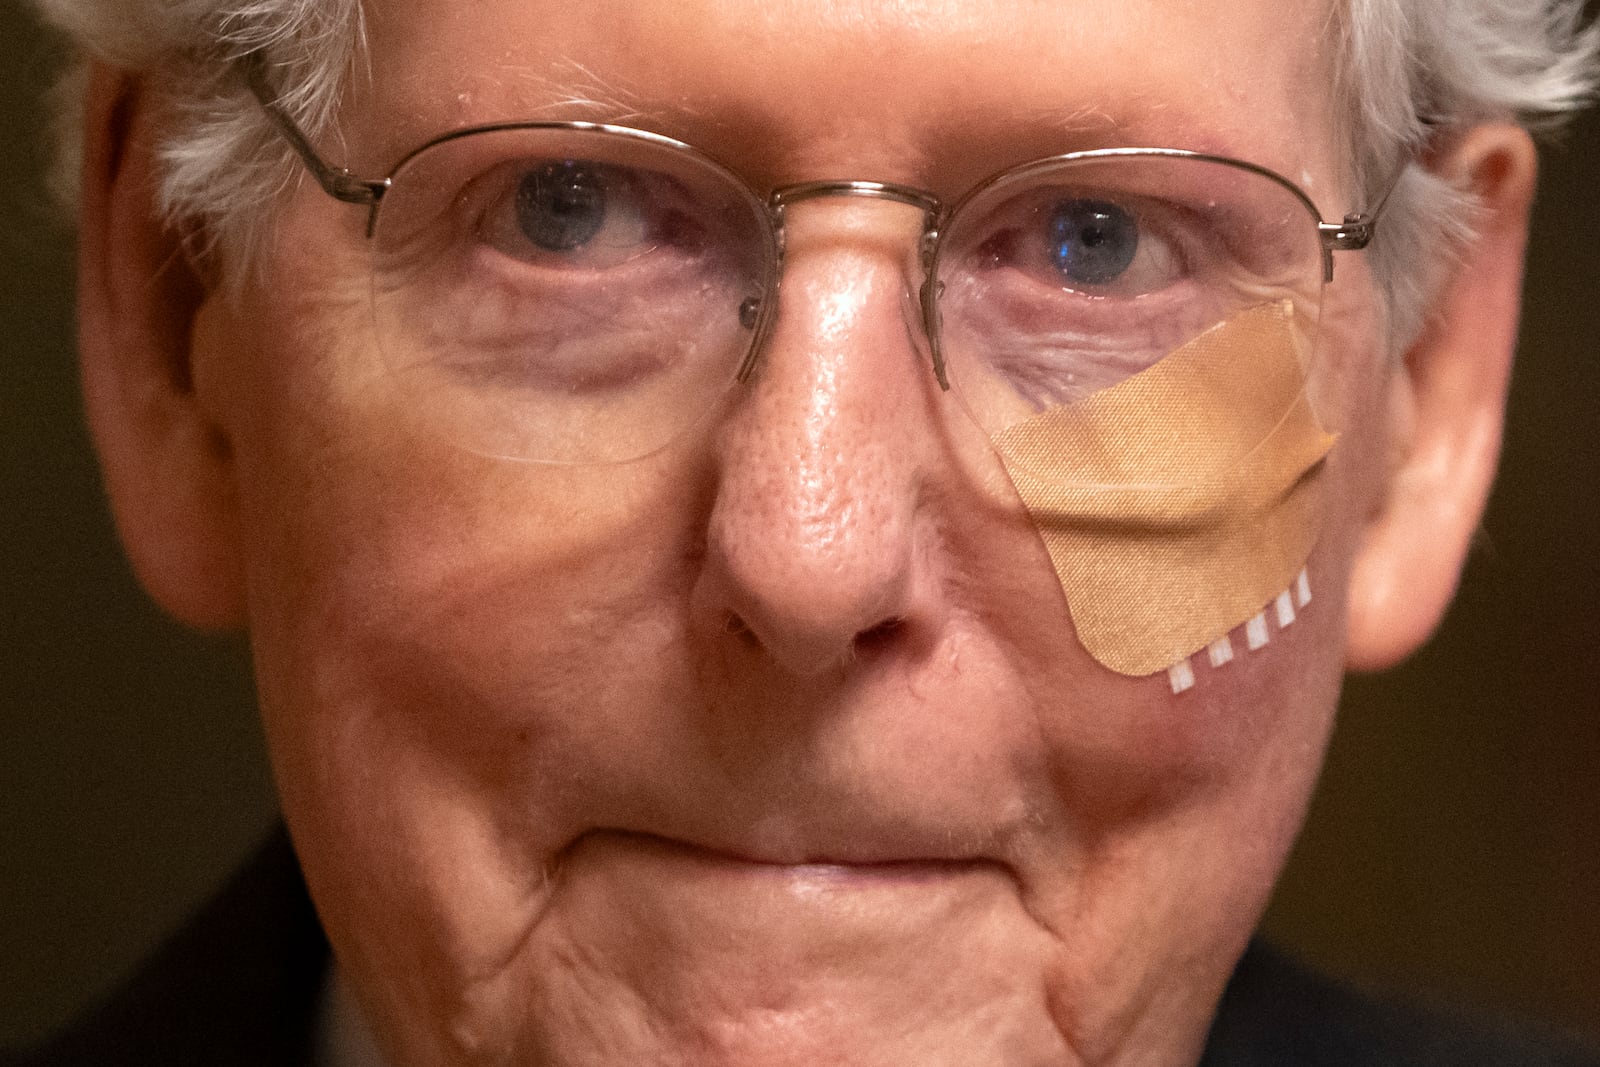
x=776 y=747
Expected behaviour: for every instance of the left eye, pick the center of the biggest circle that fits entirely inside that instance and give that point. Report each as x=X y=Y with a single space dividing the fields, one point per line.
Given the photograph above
x=1078 y=244
x=1091 y=242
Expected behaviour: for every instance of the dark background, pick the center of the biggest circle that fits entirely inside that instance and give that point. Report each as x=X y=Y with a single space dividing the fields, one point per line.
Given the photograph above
x=1454 y=847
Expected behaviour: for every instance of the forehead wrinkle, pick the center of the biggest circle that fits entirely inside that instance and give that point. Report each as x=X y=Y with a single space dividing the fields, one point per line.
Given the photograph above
x=885 y=21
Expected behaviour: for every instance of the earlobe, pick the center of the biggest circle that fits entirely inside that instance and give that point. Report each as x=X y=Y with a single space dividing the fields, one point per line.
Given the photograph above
x=166 y=465
x=1446 y=410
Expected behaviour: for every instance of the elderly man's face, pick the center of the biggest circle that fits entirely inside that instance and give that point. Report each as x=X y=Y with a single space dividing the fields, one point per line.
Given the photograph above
x=776 y=746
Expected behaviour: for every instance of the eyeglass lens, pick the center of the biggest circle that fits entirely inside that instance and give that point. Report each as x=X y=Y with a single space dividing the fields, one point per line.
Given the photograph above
x=584 y=296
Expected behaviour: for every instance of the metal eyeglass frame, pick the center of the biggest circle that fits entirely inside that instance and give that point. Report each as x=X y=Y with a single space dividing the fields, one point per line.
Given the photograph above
x=1352 y=234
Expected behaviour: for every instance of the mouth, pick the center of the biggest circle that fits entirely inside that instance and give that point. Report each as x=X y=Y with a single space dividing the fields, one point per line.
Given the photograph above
x=858 y=867
x=864 y=861
x=779 y=906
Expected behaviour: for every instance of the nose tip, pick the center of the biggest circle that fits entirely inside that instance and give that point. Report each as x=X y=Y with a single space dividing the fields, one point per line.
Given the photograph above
x=815 y=580
x=812 y=538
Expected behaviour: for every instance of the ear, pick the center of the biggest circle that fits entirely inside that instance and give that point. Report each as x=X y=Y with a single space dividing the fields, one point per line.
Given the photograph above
x=167 y=468
x=1446 y=409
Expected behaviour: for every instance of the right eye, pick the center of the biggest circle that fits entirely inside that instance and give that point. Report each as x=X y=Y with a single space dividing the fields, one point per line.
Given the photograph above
x=560 y=206
x=576 y=214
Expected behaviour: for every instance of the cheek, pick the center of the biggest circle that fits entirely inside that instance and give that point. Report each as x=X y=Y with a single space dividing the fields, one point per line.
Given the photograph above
x=446 y=648
x=380 y=552
x=1353 y=387
x=1271 y=707
x=429 y=599
x=1115 y=748
x=436 y=633
x=1125 y=750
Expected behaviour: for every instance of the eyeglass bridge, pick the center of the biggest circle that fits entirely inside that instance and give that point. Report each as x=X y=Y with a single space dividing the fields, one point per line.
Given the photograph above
x=785 y=196
x=933 y=209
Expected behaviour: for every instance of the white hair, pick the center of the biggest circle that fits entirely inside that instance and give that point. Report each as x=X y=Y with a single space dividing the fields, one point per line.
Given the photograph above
x=1408 y=71
x=222 y=158
x=1411 y=71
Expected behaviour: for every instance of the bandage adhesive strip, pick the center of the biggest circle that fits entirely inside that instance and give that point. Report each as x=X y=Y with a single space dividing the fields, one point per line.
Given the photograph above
x=1179 y=501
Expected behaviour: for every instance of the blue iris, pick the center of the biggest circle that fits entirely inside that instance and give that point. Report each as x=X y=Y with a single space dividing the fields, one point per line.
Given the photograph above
x=1091 y=241
x=561 y=205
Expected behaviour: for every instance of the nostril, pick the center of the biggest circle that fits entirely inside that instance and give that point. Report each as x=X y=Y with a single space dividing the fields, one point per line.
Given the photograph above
x=875 y=637
x=737 y=627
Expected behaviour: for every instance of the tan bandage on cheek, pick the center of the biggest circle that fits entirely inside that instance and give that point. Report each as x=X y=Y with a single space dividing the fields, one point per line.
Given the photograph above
x=1179 y=503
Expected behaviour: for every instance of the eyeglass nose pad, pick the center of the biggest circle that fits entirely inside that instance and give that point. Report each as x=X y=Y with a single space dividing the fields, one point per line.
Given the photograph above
x=756 y=313
x=928 y=295
x=754 y=316
x=750 y=312
x=759 y=310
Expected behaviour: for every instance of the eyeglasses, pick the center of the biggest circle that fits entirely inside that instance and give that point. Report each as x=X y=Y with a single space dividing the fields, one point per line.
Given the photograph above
x=573 y=292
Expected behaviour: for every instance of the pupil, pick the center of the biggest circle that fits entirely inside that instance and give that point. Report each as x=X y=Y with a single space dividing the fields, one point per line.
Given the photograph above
x=1091 y=241
x=561 y=205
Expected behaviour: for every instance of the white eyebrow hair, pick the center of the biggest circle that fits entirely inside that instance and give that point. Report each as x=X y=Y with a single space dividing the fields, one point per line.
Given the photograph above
x=575 y=87
x=1084 y=117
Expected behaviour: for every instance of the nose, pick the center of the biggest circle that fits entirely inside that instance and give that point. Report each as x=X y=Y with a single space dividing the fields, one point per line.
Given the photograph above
x=812 y=545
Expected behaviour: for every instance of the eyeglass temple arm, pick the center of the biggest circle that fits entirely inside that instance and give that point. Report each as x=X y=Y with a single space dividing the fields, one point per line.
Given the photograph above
x=1357 y=230
x=337 y=182
x=1351 y=235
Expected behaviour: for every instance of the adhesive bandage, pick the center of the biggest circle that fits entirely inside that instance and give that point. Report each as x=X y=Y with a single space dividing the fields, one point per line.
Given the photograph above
x=1220 y=652
x=1178 y=503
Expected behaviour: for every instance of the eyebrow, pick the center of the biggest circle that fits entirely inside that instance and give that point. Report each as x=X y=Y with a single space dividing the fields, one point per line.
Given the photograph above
x=965 y=148
x=576 y=92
